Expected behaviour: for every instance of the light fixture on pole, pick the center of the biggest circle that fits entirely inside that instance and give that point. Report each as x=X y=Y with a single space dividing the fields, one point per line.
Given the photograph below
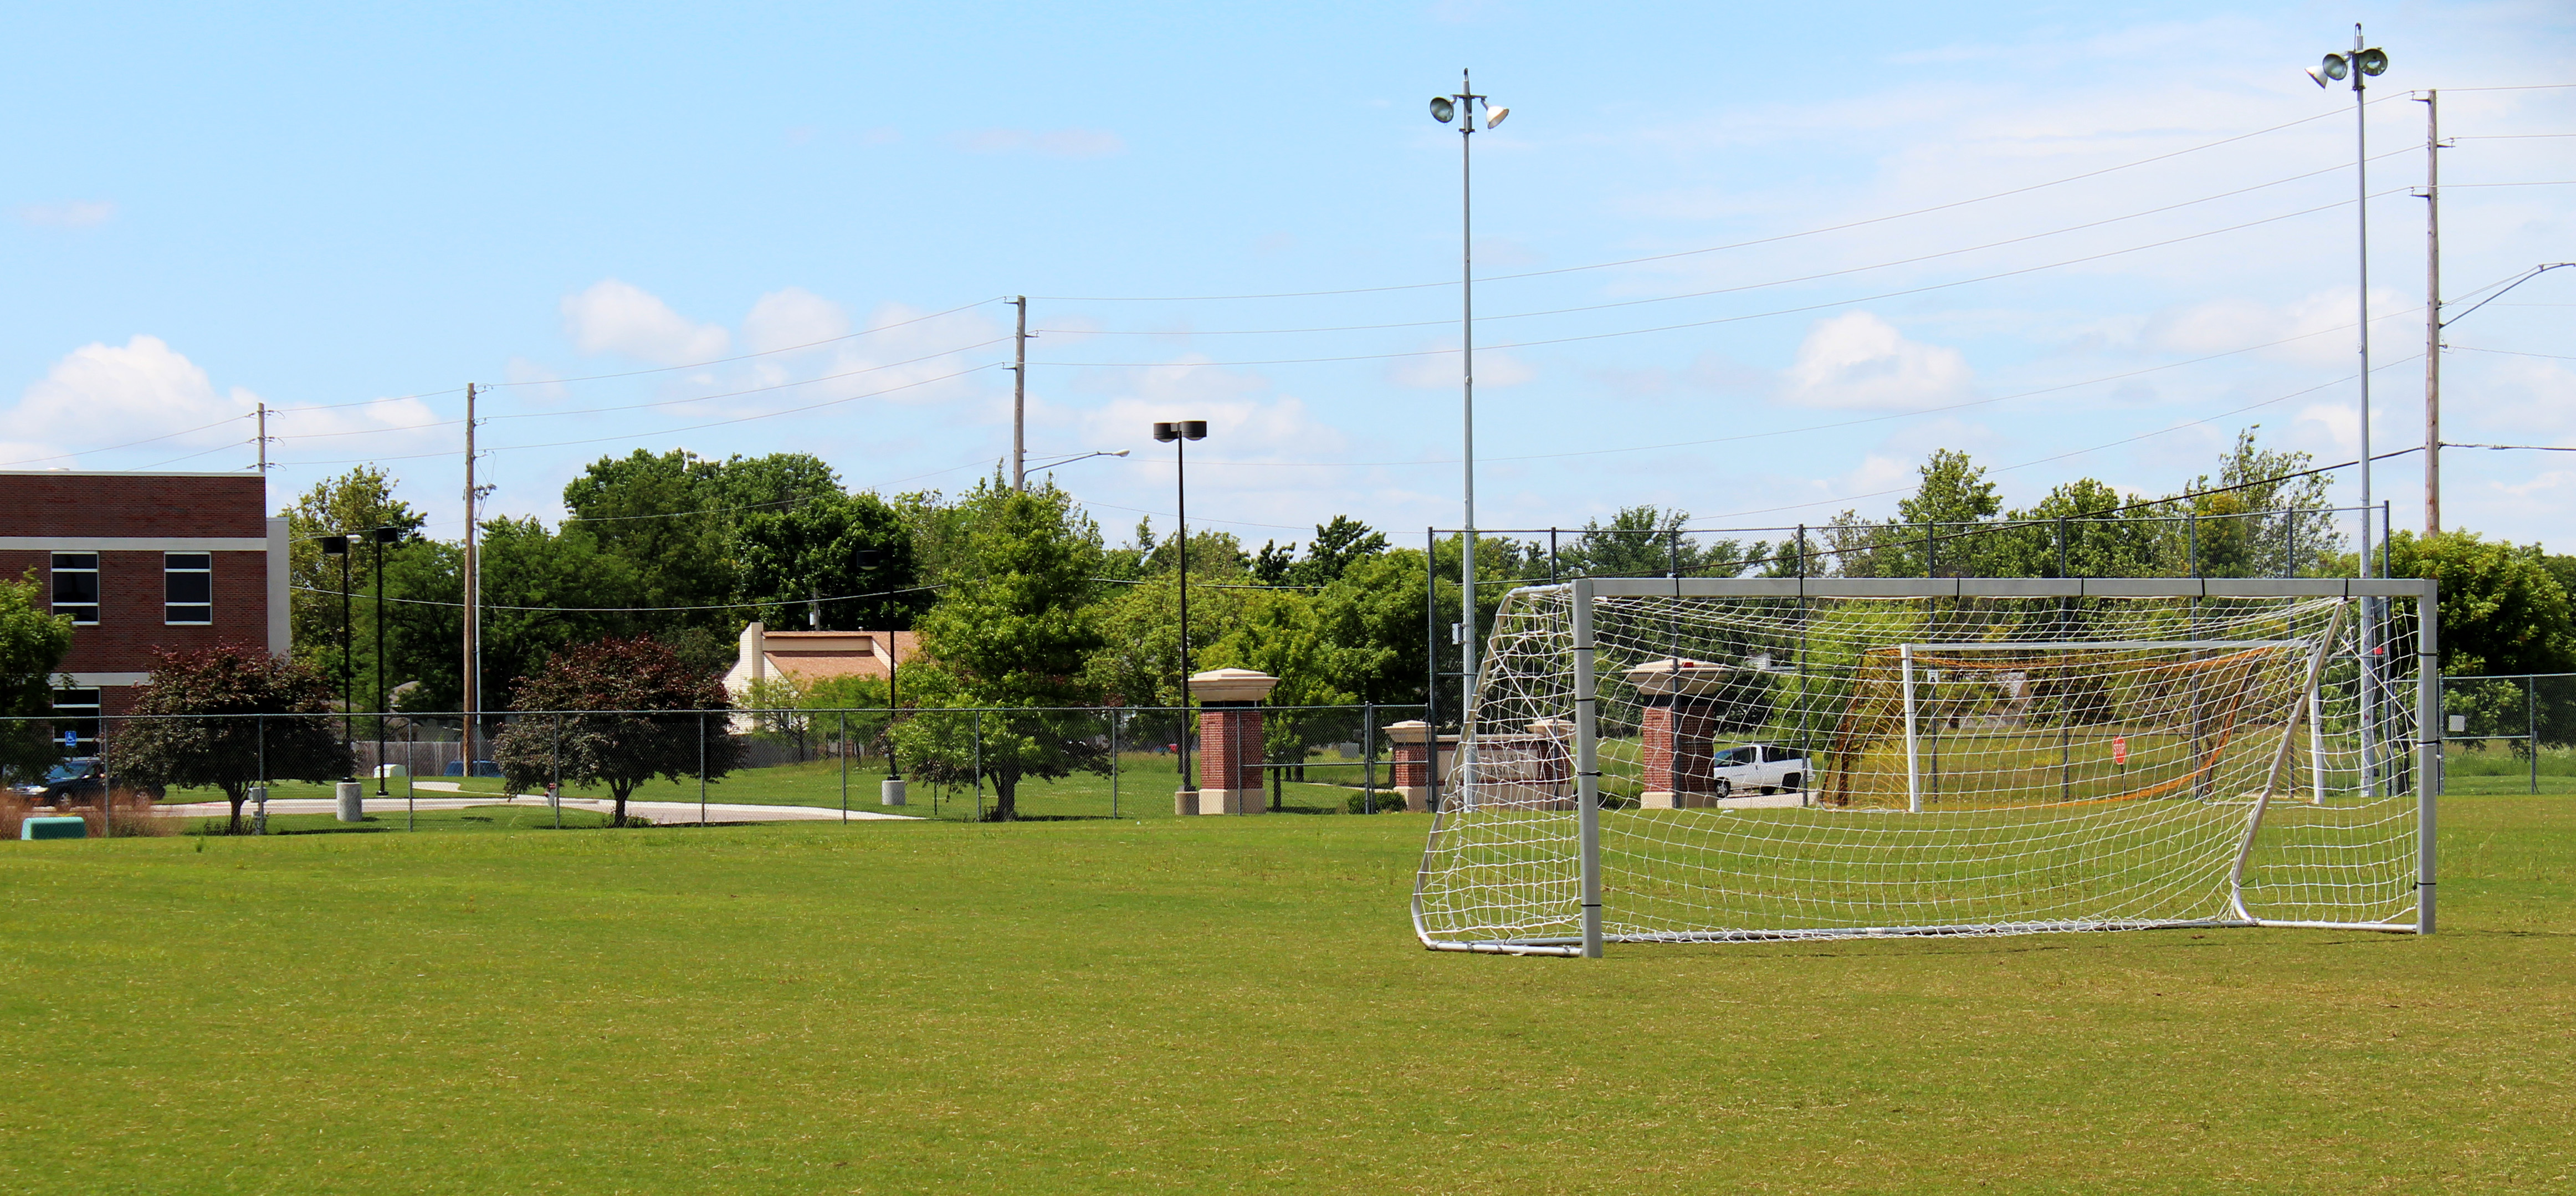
x=891 y=791
x=1179 y=433
x=1462 y=108
x=2359 y=65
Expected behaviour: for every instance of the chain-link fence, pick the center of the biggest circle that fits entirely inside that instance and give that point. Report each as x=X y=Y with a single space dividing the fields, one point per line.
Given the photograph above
x=2509 y=733
x=581 y=767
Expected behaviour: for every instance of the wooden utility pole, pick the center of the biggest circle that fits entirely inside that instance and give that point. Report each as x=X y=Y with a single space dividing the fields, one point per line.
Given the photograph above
x=2432 y=312
x=473 y=596
x=1020 y=399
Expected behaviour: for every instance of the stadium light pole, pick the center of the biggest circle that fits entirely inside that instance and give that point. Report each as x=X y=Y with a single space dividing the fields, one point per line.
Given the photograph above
x=1461 y=107
x=1180 y=433
x=2359 y=65
x=380 y=537
x=870 y=558
x=339 y=546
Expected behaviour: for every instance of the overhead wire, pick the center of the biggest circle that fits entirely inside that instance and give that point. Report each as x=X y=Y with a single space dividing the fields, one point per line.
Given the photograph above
x=1940 y=207
x=664 y=369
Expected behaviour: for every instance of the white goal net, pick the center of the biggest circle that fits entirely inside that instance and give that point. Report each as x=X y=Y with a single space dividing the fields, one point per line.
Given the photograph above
x=1770 y=758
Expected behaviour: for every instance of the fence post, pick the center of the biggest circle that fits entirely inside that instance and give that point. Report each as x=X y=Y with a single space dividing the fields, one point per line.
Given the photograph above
x=1368 y=726
x=844 y=745
x=554 y=766
x=979 y=754
x=702 y=768
x=2531 y=731
x=1114 y=717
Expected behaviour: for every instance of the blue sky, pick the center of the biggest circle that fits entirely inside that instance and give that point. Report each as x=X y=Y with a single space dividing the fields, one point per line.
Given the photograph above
x=348 y=216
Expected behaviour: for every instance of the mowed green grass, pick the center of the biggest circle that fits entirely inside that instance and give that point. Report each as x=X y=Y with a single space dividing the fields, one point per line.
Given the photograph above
x=1212 y=1005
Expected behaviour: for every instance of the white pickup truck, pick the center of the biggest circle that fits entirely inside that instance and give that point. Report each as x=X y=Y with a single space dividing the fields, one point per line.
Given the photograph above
x=1761 y=767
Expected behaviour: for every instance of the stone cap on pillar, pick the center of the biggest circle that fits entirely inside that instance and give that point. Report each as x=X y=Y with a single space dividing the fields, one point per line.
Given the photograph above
x=1684 y=678
x=1553 y=728
x=1232 y=685
x=1412 y=730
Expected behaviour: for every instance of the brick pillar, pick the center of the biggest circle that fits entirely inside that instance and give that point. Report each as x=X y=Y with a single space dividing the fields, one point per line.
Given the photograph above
x=1412 y=739
x=1230 y=726
x=1680 y=716
x=1552 y=773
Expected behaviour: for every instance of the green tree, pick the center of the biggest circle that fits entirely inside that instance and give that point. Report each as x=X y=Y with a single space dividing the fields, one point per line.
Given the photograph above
x=1643 y=541
x=655 y=726
x=354 y=502
x=794 y=554
x=2502 y=610
x=1015 y=628
x=33 y=641
x=298 y=740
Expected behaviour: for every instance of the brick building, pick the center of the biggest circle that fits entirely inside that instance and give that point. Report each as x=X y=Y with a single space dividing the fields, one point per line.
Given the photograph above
x=143 y=561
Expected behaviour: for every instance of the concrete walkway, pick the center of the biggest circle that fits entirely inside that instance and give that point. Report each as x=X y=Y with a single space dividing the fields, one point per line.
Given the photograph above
x=449 y=795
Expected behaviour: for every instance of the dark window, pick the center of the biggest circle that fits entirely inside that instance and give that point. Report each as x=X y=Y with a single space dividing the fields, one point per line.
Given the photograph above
x=76 y=586
x=76 y=715
x=188 y=587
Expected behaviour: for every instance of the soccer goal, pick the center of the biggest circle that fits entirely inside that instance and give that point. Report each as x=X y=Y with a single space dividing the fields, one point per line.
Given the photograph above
x=1693 y=759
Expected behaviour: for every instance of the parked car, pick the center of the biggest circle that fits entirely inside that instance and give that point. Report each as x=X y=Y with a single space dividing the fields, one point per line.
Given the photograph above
x=482 y=768
x=1762 y=767
x=76 y=781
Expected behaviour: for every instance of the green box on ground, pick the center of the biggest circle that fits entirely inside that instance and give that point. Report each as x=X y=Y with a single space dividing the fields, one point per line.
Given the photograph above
x=62 y=827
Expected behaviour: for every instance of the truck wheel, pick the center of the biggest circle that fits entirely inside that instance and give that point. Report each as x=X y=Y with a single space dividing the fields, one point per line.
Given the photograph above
x=1725 y=789
x=1793 y=781
x=1768 y=790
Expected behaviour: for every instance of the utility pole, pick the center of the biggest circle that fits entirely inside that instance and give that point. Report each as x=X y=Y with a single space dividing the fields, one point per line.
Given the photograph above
x=473 y=595
x=263 y=441
x=1020 y=400
x=2432 y=312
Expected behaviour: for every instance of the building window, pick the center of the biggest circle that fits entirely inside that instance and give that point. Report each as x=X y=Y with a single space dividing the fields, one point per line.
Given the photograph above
x=188 y=587
x=76 y=716
x=76 y=586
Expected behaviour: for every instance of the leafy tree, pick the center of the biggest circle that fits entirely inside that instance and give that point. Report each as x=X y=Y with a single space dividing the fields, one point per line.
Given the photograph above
x=299 y=741
x=1643 y=541
x=793 y=554
x=1015 y=629
x=354 y=502
x=2502 y=610
x=33 y=641
x=662 y=517
x=1373 y=618
x=637 y=680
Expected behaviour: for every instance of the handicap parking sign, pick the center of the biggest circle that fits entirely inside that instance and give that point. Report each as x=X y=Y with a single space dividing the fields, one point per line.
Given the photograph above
x=71 y=739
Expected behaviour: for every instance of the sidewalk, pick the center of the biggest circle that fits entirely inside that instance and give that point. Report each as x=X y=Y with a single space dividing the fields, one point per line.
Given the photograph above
x=449 y=795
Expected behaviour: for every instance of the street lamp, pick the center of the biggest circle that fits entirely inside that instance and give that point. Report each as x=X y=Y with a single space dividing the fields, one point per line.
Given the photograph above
x=1179 y=433
x=339 y=546
x=381 y=536
x=870 y=558
x=1462 y=108
x=2358 y=65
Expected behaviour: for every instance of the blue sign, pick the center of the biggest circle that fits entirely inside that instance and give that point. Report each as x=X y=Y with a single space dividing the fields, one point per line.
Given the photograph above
x=71 y=739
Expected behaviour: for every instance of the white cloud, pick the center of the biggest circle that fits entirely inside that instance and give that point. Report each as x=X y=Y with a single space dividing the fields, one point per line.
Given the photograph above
x=1861 y=361
x=1241 y=425
x=101 y=394
x=619 y=317
x=1053 y=143
x=791 y=317
x=77 y=213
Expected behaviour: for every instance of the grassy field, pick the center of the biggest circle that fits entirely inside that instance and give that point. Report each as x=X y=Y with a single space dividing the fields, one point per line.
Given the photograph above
x=1211 y=1004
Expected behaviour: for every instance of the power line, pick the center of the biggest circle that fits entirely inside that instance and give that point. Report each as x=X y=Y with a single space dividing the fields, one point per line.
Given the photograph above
x=1715 y=248
x=646 y=610
x=131 y=443
x=1784 y=311
x=1754 y=286
x=2529 y=448
x=2508 y=352
x=664 y=369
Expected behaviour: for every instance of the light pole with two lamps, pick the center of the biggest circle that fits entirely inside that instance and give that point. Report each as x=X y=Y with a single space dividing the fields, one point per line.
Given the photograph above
x=1179 y=433
x=1462 y=108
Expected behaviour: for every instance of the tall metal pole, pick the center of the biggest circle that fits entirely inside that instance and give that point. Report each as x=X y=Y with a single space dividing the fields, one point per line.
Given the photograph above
x=1467 y=427
x=2428 y=748
x=1181 y=478
x=1587 y=771
x=348 y=673
x=2432 y=312
x=379 y=537
x=473 y=597
x=2361 y=225
x=1020 y=399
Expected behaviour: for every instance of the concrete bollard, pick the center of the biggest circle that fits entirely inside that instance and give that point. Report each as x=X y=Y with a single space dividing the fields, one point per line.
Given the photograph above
x=353 y=801
x=890 y=793
x=259 y=809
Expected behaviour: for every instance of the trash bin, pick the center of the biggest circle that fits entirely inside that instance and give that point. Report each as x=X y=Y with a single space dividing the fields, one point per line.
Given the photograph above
x=353 y=802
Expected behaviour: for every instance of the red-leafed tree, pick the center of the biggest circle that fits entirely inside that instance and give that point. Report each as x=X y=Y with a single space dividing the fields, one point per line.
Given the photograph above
x=634 y=682
x=295 y=740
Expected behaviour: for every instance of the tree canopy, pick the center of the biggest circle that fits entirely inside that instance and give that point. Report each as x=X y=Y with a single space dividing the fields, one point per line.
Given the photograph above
x=297 y=739
x=636 y=679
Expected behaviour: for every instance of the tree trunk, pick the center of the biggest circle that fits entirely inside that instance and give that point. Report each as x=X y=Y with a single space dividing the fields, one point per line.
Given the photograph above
x=1006 y=793
x=236 y=796
x=619 y=792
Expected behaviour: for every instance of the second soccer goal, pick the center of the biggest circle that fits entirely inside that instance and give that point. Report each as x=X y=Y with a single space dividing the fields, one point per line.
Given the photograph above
x=1672 y=760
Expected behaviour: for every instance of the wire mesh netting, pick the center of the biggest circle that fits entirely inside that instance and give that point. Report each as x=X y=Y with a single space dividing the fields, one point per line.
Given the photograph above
x=1789 y=766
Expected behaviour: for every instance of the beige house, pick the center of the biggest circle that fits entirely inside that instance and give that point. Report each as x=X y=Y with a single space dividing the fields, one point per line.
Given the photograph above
x=809 y=657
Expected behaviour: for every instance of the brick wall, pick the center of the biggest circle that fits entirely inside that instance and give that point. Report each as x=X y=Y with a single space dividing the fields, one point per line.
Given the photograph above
x=1675 y=753
x=57 y=503
x=1230 y=747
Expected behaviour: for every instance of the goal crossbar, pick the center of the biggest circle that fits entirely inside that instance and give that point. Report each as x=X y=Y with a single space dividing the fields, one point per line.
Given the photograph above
x=1520 y=848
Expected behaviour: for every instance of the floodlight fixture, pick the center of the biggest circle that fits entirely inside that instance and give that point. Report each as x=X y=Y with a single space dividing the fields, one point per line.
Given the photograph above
x=335 y=545
x=2373 y=61
x=2333 y=69
x=1443 y=110
x=1494 y=116
x=388 y=535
